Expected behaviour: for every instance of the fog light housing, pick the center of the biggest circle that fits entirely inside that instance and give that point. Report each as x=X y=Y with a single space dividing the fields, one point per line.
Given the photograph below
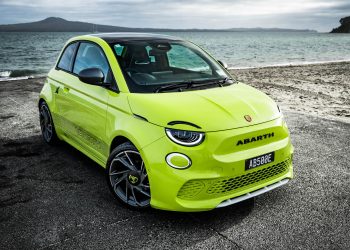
x=178 y=161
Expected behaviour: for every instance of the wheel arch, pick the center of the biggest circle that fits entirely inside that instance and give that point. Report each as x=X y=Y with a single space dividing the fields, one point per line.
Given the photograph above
x=41 y=100
x=120 y=139
x=47 y=95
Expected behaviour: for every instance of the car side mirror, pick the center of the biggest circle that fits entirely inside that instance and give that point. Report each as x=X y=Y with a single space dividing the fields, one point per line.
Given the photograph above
x=223 y=64
x=93 y=76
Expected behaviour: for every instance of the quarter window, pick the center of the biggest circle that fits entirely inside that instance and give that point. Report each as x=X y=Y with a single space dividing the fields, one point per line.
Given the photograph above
x=90 y=56
x=66 y=59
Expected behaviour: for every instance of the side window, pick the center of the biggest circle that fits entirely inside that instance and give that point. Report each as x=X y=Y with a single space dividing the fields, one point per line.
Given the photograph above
x=66 y=59
x=90 y=56
x=184 y=58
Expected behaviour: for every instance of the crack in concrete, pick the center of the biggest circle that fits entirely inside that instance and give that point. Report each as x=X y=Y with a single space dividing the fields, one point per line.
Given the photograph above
x=22 y=105
x=220 y=234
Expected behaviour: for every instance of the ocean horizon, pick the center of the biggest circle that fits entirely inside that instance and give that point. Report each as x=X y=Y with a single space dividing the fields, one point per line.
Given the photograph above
x=31 y=54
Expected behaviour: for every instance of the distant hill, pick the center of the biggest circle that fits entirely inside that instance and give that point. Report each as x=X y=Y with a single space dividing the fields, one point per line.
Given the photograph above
x=344 y=26
x=56 y=24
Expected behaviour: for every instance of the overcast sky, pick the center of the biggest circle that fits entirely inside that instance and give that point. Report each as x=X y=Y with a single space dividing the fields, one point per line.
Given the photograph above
x=321 y=15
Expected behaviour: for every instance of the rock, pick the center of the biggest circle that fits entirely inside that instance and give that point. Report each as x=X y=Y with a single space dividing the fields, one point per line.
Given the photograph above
x=344 y=26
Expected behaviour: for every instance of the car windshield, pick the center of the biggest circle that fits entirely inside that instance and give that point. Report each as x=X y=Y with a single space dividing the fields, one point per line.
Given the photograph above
x=162 y=66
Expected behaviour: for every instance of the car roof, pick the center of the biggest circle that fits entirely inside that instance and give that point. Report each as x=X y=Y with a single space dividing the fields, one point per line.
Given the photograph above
x=130 y=36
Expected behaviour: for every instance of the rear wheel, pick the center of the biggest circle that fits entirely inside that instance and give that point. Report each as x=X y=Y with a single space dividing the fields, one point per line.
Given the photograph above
x=127 y=177
x=46 y=124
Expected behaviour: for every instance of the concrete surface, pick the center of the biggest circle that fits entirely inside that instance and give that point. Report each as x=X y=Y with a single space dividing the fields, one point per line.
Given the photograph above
x=56 y=198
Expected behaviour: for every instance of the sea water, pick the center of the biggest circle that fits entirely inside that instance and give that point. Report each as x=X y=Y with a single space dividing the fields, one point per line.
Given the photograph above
x=27 y=54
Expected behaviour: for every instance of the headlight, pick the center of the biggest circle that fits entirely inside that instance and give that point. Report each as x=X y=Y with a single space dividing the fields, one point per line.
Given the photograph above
x=185 y=138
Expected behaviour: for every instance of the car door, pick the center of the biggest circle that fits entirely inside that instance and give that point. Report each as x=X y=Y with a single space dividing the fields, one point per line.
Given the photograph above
x=82 y=107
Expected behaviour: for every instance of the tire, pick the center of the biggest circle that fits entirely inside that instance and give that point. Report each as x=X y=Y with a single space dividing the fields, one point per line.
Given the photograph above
x=127 y=177
x=46 y=124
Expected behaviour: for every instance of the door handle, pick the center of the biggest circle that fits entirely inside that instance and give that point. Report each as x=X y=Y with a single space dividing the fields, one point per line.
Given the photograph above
x=65 y=89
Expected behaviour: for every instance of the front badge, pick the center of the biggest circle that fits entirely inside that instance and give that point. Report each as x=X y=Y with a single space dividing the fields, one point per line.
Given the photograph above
x=248 y=118
x=133 y=179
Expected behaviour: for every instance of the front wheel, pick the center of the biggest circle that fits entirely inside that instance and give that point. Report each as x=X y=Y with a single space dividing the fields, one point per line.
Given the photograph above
x=127 y=177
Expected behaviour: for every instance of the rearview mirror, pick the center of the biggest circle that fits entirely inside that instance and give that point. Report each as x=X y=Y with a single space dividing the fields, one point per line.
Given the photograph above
x=223 y=64
x=92 y=76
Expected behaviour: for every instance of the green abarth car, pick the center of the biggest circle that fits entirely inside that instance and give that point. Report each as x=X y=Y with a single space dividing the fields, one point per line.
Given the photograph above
x=173 y=129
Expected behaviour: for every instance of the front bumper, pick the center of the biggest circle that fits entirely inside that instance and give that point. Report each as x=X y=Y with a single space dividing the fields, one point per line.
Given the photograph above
x=217 y=174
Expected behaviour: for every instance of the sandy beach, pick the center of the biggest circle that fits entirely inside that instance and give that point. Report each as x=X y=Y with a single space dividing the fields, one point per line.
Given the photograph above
x=317 y=89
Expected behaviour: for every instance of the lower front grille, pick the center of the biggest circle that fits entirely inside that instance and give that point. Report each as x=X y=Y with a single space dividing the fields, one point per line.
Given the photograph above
x=190 y=189
x=228 y=184
x=221 y=186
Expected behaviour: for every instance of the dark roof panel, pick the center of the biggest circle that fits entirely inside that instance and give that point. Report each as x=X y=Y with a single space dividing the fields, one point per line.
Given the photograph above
x=128 y=36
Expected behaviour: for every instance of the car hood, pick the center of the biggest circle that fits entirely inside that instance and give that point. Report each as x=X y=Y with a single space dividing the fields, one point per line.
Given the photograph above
x=211 y=109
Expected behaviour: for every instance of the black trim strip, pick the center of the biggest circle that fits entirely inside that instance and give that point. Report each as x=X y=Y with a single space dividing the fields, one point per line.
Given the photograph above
x=183 y=122
x=140 y=117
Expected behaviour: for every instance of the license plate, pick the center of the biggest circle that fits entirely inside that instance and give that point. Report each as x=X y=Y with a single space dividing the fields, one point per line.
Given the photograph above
x=259 y=160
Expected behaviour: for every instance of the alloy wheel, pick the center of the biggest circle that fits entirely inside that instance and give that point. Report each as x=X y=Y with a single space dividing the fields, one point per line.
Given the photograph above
x=129 y=179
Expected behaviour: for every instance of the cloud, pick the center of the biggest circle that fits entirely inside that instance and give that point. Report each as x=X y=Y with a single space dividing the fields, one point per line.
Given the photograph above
x=321 y=14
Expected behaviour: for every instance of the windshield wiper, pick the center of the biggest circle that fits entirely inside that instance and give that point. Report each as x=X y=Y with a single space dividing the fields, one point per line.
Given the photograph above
x=221 y=82
x=179 y=86
x=226 y=80
x=194 y=84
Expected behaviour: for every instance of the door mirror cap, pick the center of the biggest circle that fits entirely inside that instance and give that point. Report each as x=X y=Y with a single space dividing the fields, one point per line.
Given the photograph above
x=223 y=64
x=93 y=76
